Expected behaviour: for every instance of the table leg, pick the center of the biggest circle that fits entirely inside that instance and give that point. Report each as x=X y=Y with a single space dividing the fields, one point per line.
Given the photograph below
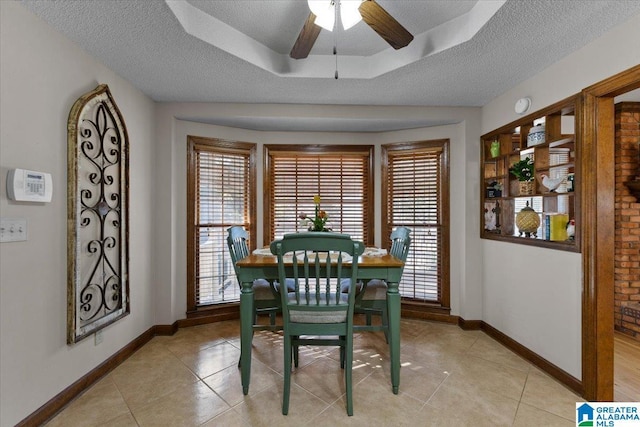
x=393 y=307
x=246 y=333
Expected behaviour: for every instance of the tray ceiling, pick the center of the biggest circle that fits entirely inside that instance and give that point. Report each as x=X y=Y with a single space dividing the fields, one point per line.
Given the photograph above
x=144 y=42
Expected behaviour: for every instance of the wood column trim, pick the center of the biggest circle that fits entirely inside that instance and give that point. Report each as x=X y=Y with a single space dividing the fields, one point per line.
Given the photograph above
x=595 y=132
x=598 y=186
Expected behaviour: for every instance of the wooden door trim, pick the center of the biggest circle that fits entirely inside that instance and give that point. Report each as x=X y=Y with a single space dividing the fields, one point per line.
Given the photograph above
x=595 y=132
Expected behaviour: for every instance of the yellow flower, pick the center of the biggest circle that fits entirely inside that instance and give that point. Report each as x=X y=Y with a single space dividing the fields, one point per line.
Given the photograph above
x=316 y=199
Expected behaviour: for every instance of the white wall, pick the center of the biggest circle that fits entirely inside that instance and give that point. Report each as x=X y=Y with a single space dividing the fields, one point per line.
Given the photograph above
x=610 y=54
x=41 y=75
x=464 y=180
x=172 y=153
x=531 y=294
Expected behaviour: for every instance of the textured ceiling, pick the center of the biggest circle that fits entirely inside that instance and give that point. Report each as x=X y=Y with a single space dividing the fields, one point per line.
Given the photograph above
x=144 y=42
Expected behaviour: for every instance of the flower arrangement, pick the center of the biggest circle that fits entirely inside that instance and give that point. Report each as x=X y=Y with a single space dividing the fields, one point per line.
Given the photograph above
x=319 y=220
x=523 y=169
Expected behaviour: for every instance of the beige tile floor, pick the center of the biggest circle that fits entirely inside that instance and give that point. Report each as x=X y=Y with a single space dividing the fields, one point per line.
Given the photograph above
x=449 y=377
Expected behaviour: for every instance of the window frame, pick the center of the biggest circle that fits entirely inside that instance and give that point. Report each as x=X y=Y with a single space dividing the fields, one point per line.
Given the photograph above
x=312 y=150
x=195 y=144
x=444 y=214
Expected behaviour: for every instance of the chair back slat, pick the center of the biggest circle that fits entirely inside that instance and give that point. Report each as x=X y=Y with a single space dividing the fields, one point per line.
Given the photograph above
x=237 y=238
x=318 y=267
x=400 y=243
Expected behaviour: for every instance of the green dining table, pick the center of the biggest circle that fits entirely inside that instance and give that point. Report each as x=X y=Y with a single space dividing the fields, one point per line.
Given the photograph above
x=265 y=266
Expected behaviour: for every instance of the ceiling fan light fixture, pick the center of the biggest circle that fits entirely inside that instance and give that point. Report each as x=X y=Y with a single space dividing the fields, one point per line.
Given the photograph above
x=325 y=13
x=349 y=13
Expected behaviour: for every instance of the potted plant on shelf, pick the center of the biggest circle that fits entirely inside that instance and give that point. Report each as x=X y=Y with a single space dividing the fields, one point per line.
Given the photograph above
x=523 y=170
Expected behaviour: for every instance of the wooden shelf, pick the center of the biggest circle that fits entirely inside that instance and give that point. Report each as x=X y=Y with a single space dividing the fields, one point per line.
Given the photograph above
x=546 y=194
x=562 y=143
x=556 y=158
x=569 y=246
x=562 y=165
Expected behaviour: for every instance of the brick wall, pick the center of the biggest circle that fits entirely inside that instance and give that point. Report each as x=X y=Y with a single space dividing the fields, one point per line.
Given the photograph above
x=627 y=217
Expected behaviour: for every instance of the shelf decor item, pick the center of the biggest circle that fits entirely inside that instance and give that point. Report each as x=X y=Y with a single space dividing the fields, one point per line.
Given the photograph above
x=492 y=216
x=527 y=221
x=555 y=226
x=495 y=148
x=535 y=136
x=489 y=216
x=523 y=170
x=494 y=189
x=552 y=184
x=570 y=182
x=526 y=188
x=571 y=229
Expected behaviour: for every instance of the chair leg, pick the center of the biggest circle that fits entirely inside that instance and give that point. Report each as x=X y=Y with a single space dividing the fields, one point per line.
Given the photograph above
x=348 y=373
x=272 y=318
x=368 y=314
x=287 y=374
x=296 y=353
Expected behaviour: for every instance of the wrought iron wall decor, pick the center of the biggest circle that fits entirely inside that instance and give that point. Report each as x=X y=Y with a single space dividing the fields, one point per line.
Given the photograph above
x=97 y=215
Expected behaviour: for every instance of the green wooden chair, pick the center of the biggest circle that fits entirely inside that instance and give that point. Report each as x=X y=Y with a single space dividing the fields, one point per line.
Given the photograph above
x=372 y=300
x=266 y=298
x=317 y=311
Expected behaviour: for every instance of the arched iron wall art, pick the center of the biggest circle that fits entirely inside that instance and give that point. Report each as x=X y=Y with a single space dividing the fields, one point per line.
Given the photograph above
x=97 y=215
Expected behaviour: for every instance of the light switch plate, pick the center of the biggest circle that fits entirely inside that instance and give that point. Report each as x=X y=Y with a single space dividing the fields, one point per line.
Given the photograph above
x=13 y=230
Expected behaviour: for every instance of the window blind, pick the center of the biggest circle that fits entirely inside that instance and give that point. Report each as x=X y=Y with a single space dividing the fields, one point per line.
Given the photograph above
x=222 y=196
x=340 y=176
x=414 y=196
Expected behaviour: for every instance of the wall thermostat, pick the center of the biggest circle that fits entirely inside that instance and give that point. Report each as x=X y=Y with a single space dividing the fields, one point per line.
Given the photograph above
x=29 y=186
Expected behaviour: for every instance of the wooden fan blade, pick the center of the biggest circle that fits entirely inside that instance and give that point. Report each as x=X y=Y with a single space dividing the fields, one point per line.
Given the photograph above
x=306 y=38
x=384 y=24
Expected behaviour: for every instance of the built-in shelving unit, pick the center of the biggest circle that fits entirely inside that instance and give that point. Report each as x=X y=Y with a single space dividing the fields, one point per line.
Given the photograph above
x=555 y=156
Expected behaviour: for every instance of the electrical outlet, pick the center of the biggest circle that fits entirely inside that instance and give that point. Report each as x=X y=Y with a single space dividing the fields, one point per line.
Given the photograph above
x=13 y=229
x=98 y=337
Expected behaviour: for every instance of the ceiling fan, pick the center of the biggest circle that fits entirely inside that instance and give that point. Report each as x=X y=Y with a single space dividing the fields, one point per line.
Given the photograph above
x=351 y=12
